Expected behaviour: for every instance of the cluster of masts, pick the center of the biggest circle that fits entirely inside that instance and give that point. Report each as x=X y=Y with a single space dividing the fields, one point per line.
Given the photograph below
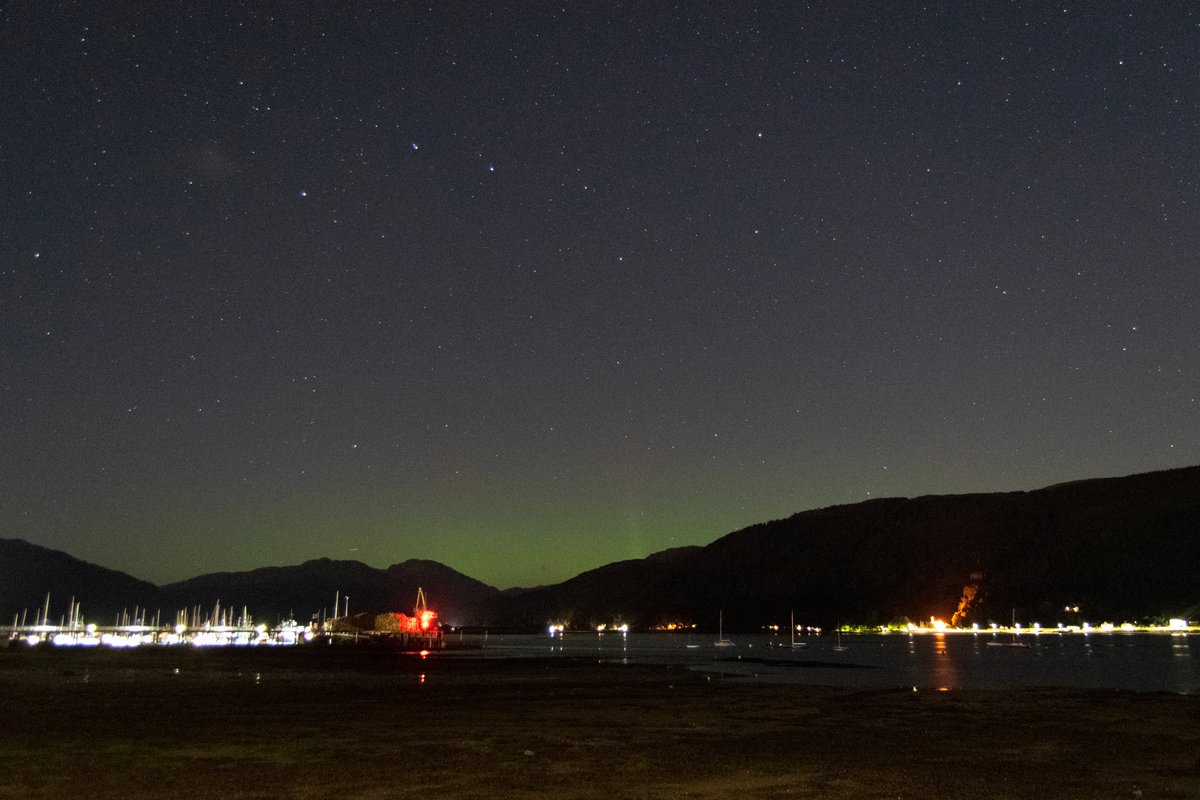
x=223 y=626
x=195 y=625
x=186 y=618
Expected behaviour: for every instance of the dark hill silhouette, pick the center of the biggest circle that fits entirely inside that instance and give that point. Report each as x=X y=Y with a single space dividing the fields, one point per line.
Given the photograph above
x=28 y=572
x=1120 y=548
x=1117 y=547
x=309 y=589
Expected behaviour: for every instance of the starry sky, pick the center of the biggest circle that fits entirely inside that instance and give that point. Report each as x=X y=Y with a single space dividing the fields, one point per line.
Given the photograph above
x=528 y=288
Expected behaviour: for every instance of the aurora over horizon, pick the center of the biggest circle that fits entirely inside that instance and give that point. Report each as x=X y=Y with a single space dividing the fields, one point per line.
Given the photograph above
x=528 y=290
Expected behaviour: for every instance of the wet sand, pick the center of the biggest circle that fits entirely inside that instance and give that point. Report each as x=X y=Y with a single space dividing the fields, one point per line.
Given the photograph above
x=351 y=724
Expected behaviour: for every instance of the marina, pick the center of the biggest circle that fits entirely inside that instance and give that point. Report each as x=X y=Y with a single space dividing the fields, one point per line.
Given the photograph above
x=224 y=628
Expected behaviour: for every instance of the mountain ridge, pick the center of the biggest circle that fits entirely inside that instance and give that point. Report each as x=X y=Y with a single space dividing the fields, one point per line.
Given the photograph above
x=1117 y=545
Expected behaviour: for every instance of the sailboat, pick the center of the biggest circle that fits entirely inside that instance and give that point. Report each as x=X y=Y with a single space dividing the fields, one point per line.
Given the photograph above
x=839 y=648
x=1015 y=641
x=796 y=644
x=721 y=640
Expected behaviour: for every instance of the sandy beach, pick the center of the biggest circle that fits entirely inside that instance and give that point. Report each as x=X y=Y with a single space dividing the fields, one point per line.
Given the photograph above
x=371 y=723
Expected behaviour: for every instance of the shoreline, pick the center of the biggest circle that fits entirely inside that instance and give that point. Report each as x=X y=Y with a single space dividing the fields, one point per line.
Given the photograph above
x=375 y=724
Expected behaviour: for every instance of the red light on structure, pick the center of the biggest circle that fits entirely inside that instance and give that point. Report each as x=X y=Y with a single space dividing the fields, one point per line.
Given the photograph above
x=422 y=621
x=408 y=624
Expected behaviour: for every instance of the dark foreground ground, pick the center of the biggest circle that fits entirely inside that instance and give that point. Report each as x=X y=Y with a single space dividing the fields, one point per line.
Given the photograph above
x=349 y=724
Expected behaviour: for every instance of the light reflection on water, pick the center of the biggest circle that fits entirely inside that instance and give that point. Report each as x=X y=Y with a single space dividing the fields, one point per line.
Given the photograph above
x=1134 y=661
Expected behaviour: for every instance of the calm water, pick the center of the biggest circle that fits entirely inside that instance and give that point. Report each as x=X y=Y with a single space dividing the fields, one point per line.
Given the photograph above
x=1141 y=662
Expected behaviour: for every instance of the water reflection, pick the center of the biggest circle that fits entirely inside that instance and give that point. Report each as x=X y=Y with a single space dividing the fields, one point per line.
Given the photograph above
x=1144 y=662
x=1180 y=645
x=944 y=669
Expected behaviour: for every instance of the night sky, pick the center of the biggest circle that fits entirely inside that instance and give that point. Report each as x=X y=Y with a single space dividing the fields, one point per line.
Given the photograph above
x=528 y=289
